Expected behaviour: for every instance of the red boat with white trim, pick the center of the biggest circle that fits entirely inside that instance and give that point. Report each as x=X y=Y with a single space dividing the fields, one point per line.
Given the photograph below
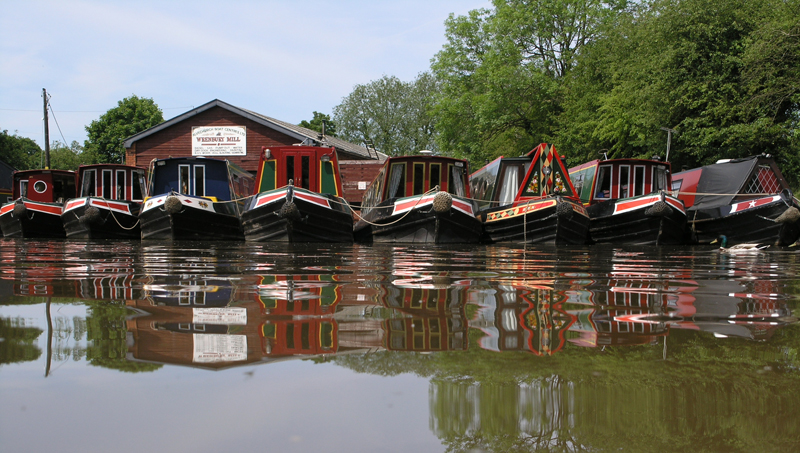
x=39 y=198
x=419 y=199
x=746 y=200
x=627 y=202
x=530 y=199
x=109 y=202
x=299 y=198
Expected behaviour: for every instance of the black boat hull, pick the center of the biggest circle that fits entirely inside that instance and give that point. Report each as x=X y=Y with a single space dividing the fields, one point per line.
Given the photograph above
x=759 y=220
x=414 y=220
x=296 y=215
x=180 y=217
x=647 y=220
x=550 y=221
x=95 y=218
x=28 y=219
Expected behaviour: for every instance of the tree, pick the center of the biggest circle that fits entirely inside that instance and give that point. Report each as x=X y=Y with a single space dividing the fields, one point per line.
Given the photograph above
x=316 y=124
x=18 y=151
x=393 y=116
x=503 y=71
x=66 y=157
x=131 y=116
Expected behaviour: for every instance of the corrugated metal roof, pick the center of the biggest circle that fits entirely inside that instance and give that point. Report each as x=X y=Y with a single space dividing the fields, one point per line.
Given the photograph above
x=345 y=149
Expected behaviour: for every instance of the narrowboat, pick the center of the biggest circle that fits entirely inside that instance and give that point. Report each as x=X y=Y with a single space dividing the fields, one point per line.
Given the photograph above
x=299 y=198
x=628 y=203
x=108 y=203
x=39 y=199
x=530 y=199
x=746 y=200
x=196 y=198
x=419 y=199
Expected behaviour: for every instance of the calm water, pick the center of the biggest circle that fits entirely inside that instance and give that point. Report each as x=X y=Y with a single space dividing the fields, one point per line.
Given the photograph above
x=128 y=346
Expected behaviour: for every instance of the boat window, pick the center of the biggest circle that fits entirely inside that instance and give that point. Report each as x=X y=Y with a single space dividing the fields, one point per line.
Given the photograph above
x=419 y=178
x=200 y=180
x=603 y=183
x=436 y=175
x=638 y=180
x=305 y=163
x=23 y=188
x=88 y=187
x=290 y=169
x=121 y=180
x=659 y=179
x=107 y=185
x=624 y=181
x=509 y=184
x=183 y=179
x=676 y=184
x=138 y=186
x=456 y=183
x=764 y=180
x=397 y=181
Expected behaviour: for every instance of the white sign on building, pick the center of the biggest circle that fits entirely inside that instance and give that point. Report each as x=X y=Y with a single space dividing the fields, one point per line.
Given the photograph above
x=219 y=141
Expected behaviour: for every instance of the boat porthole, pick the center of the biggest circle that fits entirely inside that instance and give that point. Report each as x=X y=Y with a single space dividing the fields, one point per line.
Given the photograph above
x=40 y=186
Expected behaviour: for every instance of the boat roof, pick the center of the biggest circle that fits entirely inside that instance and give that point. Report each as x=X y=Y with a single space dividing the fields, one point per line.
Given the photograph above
x=721 y=182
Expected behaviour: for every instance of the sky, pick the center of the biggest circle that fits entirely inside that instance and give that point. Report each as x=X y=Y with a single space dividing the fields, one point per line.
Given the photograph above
x=284 y=59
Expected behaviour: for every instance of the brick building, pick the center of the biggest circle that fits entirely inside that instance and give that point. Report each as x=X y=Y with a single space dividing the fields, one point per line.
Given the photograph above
x=218 y=129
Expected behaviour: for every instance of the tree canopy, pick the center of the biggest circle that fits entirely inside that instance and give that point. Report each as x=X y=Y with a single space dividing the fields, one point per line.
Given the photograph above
x=392 y=116
x=131 y=116
x=18 y=152
x=316 y=124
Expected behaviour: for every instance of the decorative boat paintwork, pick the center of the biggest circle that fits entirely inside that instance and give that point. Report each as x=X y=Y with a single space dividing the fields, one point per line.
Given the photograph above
x=108 y=205
x=419 y=199
x=198 y=198
x=39 y=197
x=299 y=198
x=530 y=199
x=746 y=200
x=627 y=202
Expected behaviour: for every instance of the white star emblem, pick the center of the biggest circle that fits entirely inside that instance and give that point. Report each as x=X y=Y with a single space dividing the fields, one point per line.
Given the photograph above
x=753 y=204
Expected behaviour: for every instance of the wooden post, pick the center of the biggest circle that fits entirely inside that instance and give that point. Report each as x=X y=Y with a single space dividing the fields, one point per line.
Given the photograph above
x=46 y=133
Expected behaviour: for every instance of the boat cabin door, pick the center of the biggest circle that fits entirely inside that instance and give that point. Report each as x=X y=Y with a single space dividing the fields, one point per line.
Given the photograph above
x=301 y=167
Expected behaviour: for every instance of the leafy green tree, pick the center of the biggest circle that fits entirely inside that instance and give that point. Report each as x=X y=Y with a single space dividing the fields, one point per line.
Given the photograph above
x=503 y=71
x=17 y=151
x=393 y=116
x=723 y=74
x=131 y=116
x=18 y=341
x=316 y=124
x=65 y=157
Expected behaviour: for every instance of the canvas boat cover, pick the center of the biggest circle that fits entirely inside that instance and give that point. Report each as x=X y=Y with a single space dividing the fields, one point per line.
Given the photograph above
x=726 y=179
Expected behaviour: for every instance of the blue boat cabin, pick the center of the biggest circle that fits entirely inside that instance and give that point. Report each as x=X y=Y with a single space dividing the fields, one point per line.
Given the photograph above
x=218 y=180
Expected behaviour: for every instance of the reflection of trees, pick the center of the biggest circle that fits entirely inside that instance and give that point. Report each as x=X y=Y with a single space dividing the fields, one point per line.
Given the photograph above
x=732 y=395
x=17 y=341
x=106 y=333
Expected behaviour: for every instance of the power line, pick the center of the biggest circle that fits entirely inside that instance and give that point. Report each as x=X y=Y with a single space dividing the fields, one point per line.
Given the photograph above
x=57 y=125
x=94 y=111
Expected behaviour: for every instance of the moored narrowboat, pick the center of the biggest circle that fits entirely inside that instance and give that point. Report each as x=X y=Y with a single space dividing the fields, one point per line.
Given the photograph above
x=39 y=197
x=628 y=203
x=196 y=198
x=419 y=199
x=108 y=203
x=530 y=199
x=746 y=200
x=299 y=198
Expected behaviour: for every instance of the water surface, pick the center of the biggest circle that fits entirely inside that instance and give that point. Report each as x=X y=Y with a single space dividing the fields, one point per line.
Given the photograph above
x=129 y=346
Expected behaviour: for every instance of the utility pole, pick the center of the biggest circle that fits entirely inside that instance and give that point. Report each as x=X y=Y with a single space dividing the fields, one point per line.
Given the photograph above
x=669 y=139
x=46 y=133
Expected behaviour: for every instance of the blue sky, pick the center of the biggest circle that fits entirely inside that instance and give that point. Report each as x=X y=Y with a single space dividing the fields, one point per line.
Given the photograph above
x=284 y=59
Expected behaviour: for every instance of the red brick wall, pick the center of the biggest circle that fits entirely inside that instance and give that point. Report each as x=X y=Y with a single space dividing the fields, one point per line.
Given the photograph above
x=176 y=141
x=355 y=171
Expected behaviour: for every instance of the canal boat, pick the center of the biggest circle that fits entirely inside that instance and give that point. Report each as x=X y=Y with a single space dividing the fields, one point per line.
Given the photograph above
x=108 y=203
x=419 y=199
x=628 y=203
x=196 y=198
x=746 y=200
x=299 y=198
x=530 y=199
x=39 y=197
